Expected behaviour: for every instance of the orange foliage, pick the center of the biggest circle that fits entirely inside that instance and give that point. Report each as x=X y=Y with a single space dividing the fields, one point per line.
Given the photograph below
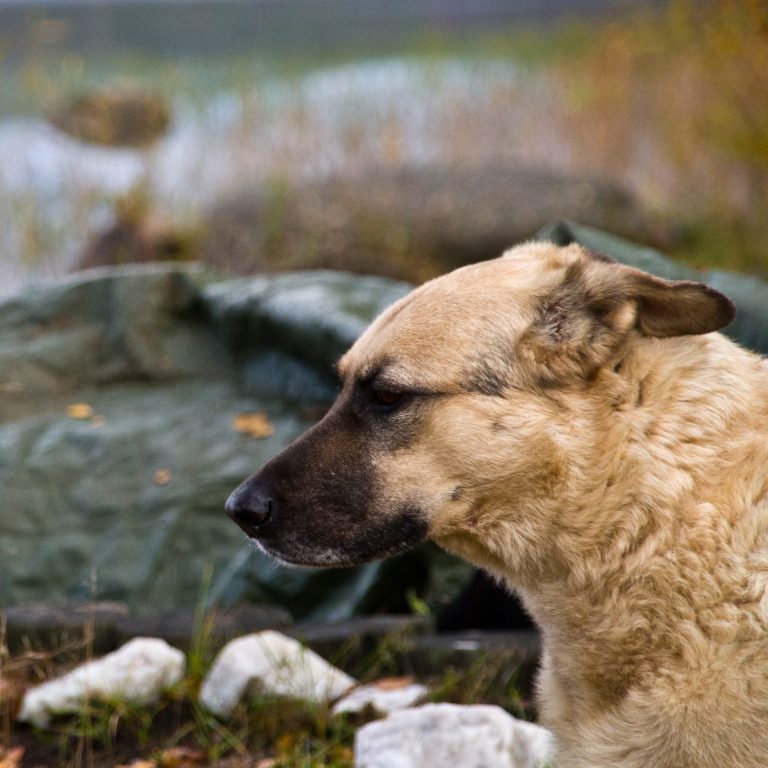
x=682 y=98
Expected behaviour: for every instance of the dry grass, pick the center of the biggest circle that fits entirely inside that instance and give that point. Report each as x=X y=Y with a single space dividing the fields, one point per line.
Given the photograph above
x=265 y=731
x=675 y=104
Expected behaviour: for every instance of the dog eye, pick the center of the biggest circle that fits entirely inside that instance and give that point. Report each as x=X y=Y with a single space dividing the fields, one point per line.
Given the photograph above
x=387 y=399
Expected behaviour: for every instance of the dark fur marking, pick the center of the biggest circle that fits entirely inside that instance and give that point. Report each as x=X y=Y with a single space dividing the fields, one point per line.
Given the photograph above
x=491 y=372
x=485 y=380
x=383 y=536
x=369 y=374
x=556 y=320
x=597 y=256
x=640 y=394
x=388 y=536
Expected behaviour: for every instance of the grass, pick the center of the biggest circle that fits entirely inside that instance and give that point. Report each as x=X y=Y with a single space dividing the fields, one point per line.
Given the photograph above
x=265 y=731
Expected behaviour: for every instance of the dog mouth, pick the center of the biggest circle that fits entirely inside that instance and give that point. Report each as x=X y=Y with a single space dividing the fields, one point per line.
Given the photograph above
x=302 y=558
x=306 y=541
x=332 y=524
x=299 y=555
x=294 y=560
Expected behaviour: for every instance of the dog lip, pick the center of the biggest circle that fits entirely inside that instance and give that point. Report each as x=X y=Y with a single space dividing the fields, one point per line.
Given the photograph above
x=296 y=561
x=304 y=557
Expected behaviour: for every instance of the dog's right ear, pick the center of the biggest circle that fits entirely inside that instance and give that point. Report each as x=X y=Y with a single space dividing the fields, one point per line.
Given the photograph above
x=582 y=324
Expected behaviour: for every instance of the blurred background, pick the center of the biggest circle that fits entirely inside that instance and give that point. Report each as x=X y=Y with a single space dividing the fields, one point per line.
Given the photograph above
x=242 y=140
x=136 y=130
x=253 y=181
x=230 y=139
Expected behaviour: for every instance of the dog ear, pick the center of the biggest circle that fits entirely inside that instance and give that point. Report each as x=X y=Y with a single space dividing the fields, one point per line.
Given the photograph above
x=582 y=324
x=677 y=308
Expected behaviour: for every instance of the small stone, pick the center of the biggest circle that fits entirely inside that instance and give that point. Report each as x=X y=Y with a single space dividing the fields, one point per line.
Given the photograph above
x=137 y=673
x=273 y=663
x=383 y=696
x=480 y=736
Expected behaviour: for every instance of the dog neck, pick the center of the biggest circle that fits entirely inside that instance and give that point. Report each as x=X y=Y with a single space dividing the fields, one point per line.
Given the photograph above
x=648 y=445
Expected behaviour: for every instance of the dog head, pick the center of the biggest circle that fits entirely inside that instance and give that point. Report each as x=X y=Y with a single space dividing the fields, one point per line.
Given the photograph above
x=450 y=420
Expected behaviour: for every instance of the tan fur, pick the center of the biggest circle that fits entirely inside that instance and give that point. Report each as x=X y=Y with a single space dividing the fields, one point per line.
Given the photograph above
x=619 y=482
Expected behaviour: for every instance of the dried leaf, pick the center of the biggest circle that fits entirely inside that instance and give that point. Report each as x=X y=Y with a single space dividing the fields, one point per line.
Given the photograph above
x=286 y=743
x=181 y=757
x=253 y=424
x=162 y=476
x=393 y=683
x=345 y=753
x=11 y=758
x=11 y=694
x=79 y=411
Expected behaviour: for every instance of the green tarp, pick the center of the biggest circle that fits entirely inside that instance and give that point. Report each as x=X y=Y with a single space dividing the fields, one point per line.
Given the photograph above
x=126 y=502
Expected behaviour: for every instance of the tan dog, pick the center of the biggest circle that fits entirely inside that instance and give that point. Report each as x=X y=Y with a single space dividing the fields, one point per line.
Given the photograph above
x=572 y=426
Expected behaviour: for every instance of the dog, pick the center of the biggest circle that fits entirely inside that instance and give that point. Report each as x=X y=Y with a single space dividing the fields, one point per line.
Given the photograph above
x=578 y=429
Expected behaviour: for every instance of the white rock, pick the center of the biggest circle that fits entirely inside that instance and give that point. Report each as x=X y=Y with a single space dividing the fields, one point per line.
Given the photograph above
x=272 y=663
x=137 y=673
x=477 y=736
x=383 y=696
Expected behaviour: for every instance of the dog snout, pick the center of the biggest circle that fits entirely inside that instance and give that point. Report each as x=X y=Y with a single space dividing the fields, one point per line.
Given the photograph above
x=250 y=506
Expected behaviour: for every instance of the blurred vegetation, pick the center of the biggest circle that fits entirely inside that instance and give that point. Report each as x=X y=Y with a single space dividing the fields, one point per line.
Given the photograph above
x=670 y=103
x=680 y=100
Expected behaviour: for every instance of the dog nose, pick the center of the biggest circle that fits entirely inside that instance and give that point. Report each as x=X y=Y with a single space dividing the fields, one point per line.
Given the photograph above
x=250 y=508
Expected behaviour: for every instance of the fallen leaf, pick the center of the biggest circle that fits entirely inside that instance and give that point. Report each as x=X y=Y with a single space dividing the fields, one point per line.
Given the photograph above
x=286 y=743
x=79 y=411
x=11 y=693
x=345 y=753
x=181 y=757
x=11 y=758
x=393 y=683
x=253 y=424
x=162 y=476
